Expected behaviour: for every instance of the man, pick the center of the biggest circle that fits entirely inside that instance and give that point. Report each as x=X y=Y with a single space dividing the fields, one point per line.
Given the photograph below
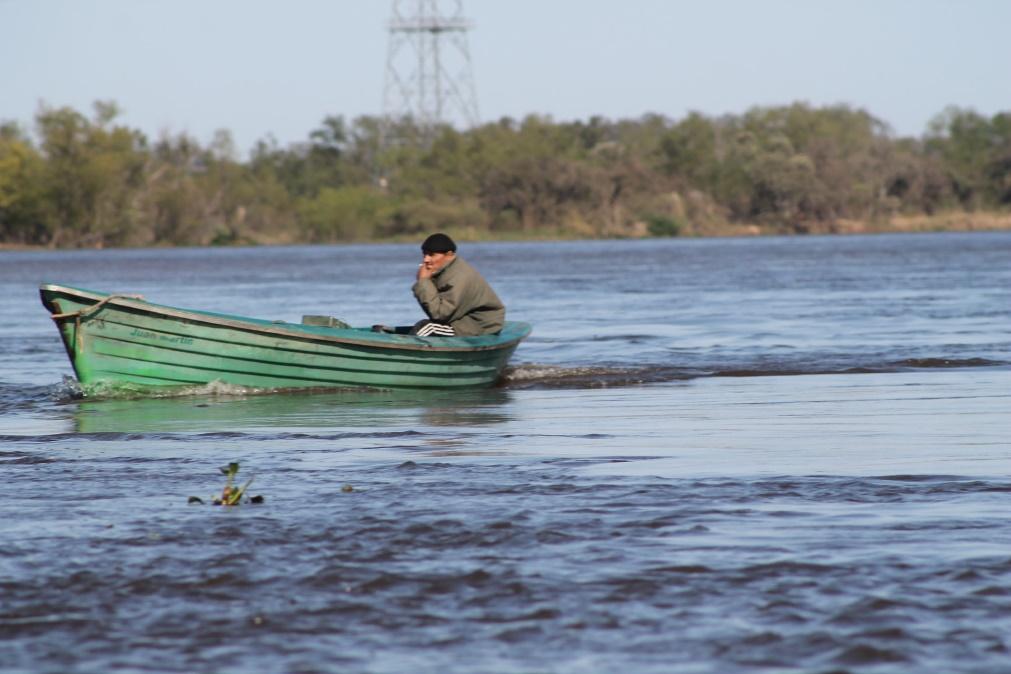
x=457 y=299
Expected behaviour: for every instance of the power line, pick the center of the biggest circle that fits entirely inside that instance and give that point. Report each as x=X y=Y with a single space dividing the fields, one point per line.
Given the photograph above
x=429 y=78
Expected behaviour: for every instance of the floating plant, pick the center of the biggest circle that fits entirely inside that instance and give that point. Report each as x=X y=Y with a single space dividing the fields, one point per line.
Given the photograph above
x=231 y=495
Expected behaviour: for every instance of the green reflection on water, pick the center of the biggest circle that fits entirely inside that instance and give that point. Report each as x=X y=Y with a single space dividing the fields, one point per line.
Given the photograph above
x=292 y=411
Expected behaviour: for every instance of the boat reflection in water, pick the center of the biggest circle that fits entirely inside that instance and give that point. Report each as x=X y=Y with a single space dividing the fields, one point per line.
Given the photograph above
x=357 y=409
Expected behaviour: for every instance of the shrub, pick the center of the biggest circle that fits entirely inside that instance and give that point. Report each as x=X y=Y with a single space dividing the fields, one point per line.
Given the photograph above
x=662 y=225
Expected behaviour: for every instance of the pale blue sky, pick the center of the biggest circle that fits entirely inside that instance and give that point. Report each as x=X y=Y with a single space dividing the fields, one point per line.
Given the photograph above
x=259 y=67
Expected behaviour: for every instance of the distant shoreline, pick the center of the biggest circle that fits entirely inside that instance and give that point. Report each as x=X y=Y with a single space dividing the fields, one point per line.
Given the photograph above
x=912 y=224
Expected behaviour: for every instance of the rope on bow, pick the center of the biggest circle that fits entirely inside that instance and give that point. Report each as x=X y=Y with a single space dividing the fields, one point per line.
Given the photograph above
x=87 y=311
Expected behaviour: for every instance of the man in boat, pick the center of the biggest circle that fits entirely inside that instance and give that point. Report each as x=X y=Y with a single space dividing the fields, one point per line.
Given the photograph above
x=456 y=298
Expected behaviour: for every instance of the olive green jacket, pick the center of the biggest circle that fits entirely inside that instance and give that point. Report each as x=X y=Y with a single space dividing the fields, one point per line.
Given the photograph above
x=459 y=296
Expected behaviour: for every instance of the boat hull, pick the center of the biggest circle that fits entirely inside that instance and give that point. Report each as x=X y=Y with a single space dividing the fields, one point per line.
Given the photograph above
x=121 y=340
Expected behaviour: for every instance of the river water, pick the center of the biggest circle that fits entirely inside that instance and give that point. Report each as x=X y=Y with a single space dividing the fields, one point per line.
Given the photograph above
x=711 y=456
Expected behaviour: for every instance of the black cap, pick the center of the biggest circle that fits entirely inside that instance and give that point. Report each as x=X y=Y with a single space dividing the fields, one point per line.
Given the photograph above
x=438 y=243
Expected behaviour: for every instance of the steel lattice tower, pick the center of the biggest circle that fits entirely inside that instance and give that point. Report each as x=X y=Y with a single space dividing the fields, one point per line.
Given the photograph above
x=428 y=71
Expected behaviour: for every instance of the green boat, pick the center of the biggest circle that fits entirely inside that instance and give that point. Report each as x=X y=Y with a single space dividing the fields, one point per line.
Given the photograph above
x=119 y=340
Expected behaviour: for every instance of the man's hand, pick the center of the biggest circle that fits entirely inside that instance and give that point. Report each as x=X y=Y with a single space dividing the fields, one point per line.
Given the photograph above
x=424 y=272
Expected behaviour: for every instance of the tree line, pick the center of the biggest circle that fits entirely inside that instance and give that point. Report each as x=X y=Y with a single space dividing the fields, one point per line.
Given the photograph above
x=75 y=180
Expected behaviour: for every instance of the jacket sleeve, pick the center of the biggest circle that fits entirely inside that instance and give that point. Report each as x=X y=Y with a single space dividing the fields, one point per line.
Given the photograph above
x=439 y=306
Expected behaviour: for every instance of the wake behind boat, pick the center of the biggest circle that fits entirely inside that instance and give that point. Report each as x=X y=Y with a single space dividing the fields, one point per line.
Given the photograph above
x=124 y=340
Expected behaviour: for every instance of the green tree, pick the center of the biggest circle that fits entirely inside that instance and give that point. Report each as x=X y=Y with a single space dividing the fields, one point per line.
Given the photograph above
x=91 y=171
x=343 y=214
x=21 y=198
x=963 y=140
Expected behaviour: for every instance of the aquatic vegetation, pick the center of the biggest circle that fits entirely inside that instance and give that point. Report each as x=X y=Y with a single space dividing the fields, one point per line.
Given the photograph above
x=230 y=494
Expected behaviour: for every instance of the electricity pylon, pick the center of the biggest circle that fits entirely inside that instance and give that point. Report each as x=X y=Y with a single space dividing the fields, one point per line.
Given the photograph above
x=428 y=72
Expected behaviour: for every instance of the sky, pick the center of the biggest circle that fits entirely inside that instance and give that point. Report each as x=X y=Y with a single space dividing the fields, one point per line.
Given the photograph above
x=276 y=68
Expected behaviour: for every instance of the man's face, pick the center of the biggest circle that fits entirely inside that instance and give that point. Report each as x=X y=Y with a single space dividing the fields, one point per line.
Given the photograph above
x=433 y=262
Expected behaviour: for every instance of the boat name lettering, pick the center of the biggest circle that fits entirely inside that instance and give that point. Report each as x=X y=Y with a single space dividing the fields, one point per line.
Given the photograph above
x=176 y=340
x=146 y=334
